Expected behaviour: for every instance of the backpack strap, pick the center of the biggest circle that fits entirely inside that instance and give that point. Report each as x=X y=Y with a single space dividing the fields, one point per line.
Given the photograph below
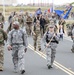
x=47 y=37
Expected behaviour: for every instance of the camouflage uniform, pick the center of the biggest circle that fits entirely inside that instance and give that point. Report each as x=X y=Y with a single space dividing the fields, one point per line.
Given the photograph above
x=29 y=25
x=14 y=18
x=18 y=40
x=3 y=36
x=1 y=19
x=37 y=36
x=53 y=45
x=47 y=23
x=73 y=40
x=21 y=20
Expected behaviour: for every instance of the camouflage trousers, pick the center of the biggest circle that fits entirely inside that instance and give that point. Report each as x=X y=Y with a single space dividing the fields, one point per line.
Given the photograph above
x=50 y=53
x=37 y=41
x=18 y=57
x=42 y=31
x=29 y=29
x=45 y=27
x=1 y=56
x=72 y=46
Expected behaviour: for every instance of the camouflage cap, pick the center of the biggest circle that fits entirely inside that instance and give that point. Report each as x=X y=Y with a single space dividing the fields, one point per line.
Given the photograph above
x=51 y=26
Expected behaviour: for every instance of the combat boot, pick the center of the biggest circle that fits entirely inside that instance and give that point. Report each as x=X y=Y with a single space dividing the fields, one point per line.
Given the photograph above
x=1 y=68
x=22 y=71
x=49 y=67
x=34 y=48
x=39 y=49
x=72 y=50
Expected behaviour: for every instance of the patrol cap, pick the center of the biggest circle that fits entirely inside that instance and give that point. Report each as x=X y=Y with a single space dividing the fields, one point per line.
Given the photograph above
x=16 y=23
x=51 y=26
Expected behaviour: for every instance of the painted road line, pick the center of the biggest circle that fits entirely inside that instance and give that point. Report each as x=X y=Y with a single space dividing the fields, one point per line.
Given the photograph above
x=44 y=56
x=54 y=63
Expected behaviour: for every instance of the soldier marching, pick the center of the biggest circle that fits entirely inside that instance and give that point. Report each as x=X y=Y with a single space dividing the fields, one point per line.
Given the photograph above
x=41 y=27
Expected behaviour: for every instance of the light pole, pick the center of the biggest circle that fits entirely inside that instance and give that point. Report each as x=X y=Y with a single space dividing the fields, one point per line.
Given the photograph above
x=4 y=8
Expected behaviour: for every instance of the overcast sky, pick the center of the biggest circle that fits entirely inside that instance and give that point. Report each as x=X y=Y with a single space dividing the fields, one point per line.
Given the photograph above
x=45 y=1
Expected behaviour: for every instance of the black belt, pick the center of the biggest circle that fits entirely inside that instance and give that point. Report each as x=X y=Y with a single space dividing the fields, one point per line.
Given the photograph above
x=52 y=41
x=17 y=43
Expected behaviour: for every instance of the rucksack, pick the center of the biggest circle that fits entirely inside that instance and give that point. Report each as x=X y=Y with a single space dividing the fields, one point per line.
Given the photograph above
x=47 y=37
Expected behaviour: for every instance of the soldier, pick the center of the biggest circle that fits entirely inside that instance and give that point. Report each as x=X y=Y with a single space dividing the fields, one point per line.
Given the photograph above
x=72 y=36
x=21 y=20
x=17 y=42
x=1 y=18
x=3 y=36
x=29 y=25
x=51 y=39
x=61 y=32
x=37 y=35
x=42 y=24
x=47 y=22
x=14 y=18
x=62 y=22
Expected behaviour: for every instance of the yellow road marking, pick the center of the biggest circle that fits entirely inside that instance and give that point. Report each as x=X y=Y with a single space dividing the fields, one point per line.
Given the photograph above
x=55 y=63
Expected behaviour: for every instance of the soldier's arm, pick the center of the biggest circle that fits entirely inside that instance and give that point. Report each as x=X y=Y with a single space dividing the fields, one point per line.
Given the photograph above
x=3 y=18
x=5 y=35
x=33 y=30
x=25 y=40
x=57 y=37
x=34 y=20
x=9 y=39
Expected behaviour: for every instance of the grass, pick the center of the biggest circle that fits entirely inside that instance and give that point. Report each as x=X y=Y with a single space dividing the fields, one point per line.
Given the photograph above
x=9 y=9
x=27 y=8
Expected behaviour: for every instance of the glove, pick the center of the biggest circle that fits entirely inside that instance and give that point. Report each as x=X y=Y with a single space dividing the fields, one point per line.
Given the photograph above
x=25 y=50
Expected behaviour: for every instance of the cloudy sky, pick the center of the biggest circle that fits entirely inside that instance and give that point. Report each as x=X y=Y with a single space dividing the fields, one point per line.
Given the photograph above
x=45 y=1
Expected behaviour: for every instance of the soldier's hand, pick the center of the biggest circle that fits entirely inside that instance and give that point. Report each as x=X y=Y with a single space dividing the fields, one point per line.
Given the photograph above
x=47 y=45
x=34 y=34
x=9 y=48
x=25 y=50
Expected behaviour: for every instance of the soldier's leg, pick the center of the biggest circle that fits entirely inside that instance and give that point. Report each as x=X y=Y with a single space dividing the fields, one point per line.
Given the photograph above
x=27 y=29
x=48 y=53
x=1 y=58
x=15 y=58
x=21 y=59
x=53 y=52
x=39 y=41
x=41 y=32
x=73 y=47
x=30 y=29
x=35 y=41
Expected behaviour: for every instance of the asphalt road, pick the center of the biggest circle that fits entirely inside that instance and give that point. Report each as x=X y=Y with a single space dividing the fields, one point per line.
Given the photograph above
x=35 y=61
